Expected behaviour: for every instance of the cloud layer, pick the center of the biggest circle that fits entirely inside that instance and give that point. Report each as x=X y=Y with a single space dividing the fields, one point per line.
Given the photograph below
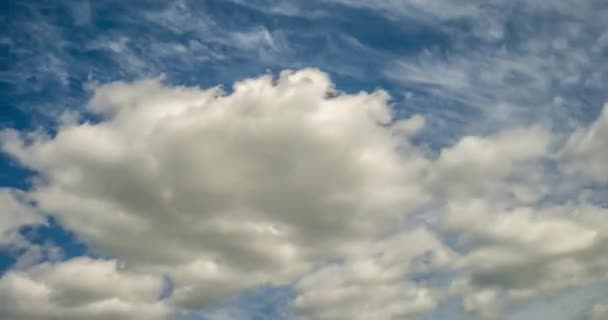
x=198 y=194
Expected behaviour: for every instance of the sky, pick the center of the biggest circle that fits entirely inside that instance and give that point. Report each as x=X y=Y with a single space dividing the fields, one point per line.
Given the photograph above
x=321 y=159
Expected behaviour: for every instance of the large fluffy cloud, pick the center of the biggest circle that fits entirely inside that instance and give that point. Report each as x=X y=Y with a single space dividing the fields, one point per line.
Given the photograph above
x=227 y=191
x=81 y=288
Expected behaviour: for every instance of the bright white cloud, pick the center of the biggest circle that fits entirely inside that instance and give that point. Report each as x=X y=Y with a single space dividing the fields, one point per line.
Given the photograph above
x=227 y=191
x=81 y=288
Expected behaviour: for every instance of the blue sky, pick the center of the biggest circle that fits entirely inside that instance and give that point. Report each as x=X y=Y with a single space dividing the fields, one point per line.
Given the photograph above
x=325 y=159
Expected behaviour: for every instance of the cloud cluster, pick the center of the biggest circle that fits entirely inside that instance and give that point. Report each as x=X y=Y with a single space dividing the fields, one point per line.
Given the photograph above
x=521 y=253
x=376 y=282
x=286 y=180
x=518 y=234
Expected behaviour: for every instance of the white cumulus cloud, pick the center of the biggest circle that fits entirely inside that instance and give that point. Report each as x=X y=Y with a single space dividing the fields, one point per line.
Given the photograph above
x=227 y=191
